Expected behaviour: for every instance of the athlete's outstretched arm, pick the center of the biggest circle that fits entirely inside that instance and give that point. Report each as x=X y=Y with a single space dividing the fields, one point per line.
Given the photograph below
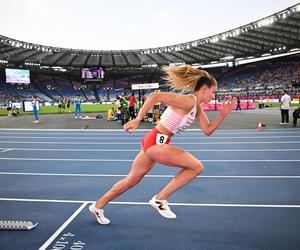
x=206 y=126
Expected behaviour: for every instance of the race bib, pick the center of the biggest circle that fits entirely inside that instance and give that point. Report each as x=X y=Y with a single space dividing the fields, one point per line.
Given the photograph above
x=161 y=139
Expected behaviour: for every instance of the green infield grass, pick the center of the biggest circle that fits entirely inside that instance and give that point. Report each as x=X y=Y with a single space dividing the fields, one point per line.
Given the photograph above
x=98 y=108
x=87 y=108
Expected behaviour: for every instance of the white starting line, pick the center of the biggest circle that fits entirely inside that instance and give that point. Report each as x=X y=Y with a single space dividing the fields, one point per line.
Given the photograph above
x=137 y=150
x=159 y=176
x=173 y=204
x=130 y=160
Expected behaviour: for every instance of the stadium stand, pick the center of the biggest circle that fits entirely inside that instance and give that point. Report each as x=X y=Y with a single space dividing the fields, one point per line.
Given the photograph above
x=56 y=72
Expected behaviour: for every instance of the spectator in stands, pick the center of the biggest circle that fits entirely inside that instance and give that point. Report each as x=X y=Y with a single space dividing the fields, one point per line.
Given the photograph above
x=296 y=115
x=131 y=100
x=284 y=107
x=35 y=111
x=111 y=114
x=77 y=103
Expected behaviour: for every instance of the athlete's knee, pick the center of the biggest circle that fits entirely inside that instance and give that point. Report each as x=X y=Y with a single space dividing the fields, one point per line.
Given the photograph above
x=198 y=168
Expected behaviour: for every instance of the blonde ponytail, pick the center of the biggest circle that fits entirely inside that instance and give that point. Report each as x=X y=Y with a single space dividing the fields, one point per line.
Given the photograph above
x=186 y=77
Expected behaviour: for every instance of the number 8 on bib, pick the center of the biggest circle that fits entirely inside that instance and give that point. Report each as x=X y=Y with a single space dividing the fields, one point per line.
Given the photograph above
x=161 y=139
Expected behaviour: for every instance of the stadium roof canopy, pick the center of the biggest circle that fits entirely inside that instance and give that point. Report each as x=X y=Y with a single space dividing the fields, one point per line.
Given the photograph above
x=275 y=34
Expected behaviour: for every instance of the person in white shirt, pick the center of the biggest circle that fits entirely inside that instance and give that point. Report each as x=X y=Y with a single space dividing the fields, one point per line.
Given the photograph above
x=284 y=107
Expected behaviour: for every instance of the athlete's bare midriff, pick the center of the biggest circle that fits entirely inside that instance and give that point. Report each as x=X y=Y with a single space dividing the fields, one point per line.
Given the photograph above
x=163 y=130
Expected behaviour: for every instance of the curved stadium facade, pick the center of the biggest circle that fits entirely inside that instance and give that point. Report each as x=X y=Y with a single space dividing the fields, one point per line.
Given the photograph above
x=54 y=69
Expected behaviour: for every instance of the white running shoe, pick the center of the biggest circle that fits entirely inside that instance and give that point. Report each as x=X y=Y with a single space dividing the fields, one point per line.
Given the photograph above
x=99 y=213
x=162 y=207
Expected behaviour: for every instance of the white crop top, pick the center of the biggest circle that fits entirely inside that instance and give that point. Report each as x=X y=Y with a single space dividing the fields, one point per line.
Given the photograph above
x=177 y=123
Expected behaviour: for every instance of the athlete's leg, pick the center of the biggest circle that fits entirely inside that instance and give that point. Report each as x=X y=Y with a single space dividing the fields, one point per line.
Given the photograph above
x=174 y=156
x=141 y=166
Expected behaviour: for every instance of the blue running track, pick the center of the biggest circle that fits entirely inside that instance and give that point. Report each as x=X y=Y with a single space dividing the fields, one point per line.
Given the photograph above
x=247 y=198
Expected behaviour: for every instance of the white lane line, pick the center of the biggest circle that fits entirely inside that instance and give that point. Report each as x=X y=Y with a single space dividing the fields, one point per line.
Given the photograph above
x=64 y=159
x=174 y=204
x=231 y=131
x=130 y=143
x=67 y=130
x=130 y=160
x=137 y=150
x=63 y=226
x=158 y=175
x=236 y=205
x=188 y=133
x=6 y=150
x=136 y=137
x=98 y=150
x=44 y=200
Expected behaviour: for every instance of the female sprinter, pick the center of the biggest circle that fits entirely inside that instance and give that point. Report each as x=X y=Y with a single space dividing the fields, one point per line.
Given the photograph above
x=182 y=110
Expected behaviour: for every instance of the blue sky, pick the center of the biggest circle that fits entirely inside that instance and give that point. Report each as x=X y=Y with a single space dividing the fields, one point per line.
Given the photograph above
x=130 y=24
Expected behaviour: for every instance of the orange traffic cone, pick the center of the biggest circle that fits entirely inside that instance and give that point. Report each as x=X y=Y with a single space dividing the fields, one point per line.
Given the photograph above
x=260 y=126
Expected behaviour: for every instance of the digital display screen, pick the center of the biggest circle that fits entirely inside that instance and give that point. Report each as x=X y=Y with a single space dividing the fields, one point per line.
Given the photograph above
x=17 y=75
x=93 y=73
